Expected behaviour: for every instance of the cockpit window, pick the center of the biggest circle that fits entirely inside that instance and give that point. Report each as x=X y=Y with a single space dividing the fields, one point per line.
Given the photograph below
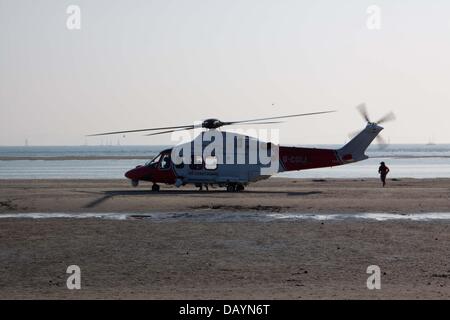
x=154 y=160
x=165 y=161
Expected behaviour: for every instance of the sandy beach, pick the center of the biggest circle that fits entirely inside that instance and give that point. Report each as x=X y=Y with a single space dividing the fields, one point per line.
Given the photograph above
x=274 y=195
x=225 y=260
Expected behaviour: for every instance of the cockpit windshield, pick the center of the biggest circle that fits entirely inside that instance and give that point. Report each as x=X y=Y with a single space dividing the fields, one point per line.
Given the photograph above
x=154 y=160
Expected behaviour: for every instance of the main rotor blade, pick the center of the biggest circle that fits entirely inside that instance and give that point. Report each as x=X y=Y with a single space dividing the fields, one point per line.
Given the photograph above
x=389 y=117
x=188 y=127
x=168 y=131
x=281 y=117
x=141 y=130
x=266 y=122
x=363 y=110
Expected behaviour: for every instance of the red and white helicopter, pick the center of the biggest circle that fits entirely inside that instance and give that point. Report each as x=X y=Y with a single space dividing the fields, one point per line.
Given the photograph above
x=206 y=161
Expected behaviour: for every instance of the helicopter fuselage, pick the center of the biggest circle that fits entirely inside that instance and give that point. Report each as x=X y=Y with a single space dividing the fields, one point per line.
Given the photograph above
x=242 y=164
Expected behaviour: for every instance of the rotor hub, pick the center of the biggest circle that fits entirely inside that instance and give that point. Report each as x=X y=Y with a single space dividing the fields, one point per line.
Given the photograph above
x=212 y=123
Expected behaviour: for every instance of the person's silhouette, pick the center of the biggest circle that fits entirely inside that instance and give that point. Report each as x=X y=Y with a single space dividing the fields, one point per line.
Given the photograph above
x=383 y=170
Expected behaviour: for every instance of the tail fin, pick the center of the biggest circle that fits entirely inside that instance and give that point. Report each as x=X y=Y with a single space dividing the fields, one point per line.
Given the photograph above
x=355 y=149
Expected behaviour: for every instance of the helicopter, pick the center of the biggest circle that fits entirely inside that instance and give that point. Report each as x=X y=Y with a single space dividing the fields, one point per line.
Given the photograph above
x=233 y=160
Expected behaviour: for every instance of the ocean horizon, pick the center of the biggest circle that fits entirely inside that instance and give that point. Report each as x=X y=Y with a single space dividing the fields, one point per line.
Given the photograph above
x=79 y=162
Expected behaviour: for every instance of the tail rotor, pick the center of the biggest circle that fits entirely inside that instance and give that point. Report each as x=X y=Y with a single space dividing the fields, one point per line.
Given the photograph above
x=382 y=143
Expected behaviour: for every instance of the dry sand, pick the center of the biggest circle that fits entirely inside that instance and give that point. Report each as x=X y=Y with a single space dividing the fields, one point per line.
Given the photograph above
x=186 y=259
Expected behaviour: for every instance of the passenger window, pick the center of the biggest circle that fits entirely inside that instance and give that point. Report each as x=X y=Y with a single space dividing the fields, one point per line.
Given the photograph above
x=196 y=163
x=211 y=163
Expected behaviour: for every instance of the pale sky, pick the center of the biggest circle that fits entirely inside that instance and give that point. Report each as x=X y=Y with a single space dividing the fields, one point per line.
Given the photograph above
x=138 y=64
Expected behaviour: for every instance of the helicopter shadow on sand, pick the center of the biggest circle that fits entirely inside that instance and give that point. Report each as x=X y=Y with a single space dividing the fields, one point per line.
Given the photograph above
x=217 y=193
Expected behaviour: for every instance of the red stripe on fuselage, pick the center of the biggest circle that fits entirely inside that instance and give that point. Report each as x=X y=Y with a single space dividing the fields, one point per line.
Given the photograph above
x=293 y=158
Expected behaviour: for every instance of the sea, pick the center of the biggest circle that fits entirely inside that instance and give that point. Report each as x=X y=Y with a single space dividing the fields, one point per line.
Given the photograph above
x=111 y=162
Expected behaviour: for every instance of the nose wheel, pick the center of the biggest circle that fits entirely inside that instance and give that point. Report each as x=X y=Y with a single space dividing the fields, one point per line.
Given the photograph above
x=155 y=187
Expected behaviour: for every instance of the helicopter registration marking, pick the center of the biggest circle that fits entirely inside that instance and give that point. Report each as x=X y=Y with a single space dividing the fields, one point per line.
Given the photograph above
x=295 y=159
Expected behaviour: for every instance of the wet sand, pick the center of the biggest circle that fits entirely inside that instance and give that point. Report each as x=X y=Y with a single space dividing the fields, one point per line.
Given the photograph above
x=225 y=260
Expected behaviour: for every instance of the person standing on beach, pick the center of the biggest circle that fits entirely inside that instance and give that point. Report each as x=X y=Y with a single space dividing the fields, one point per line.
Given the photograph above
x=383 y=170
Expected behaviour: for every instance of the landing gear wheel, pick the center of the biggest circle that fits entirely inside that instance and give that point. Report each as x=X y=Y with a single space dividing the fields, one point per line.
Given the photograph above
x=231 y=187
x=239 y=187
x=134 y=183
x=155 y=187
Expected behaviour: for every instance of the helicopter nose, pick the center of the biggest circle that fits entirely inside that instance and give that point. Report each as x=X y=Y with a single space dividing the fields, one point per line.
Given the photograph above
x=131 y=174
x=138 y=173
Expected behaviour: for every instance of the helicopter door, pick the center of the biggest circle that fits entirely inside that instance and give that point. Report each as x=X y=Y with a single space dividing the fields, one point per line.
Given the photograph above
x=203 y=170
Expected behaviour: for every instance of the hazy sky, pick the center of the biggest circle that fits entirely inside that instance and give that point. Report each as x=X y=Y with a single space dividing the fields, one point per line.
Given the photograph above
x=138 y=64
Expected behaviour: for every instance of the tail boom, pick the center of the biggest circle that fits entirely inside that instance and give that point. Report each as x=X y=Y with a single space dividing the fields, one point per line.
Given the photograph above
x=292 y=158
